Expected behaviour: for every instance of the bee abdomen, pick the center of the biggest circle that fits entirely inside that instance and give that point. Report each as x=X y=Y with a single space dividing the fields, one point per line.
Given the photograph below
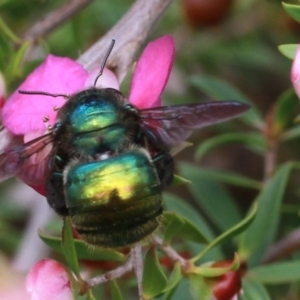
x=114 y=202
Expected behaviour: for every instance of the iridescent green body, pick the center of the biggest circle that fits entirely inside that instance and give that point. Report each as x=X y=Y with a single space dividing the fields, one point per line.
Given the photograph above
x=110 y=160
x=102 y=175
x=114 y=202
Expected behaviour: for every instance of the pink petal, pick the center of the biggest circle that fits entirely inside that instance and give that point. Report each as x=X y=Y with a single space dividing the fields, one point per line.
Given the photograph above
x=24 y=113
x=295 y=72
x=48 y=280
x=40 y=189
x=35 y=169
x=107 y=80
x=152 y=72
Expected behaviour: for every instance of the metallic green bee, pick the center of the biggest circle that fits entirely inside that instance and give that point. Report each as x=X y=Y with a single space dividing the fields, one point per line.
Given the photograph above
x=110 y=161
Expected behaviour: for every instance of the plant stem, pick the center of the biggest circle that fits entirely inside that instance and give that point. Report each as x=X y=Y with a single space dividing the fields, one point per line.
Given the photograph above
x=130 y=32
x=170 y=252
x=113 y=274
x=54 y=19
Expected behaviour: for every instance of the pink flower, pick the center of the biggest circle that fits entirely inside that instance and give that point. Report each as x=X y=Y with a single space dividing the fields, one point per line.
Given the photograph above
x=295 y=72
x=48 y=280
x=23 y=115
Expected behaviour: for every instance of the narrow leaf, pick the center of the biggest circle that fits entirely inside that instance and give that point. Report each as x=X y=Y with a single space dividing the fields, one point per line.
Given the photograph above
x=178 y=180
x=277 y=273
x=234 y=231
x=180 y=206
x=68 y=247
x=154 y=279
x=288 y=50
x=286 y=107
x=199 y=288
x=8 y=33
x=253 y=141
x=173 y=224
x=174 y=278
x=291 y=133
x=260 y=234
x=228 y=177
x=15 y=66
x=211 y=272
x=83 y=250
x=179 y=225
x=292 y=10
x=115 y=291
x=253 y=290
x=211 y=197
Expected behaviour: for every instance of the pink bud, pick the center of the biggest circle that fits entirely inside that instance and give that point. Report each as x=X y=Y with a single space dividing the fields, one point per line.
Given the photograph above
x=295 y=72
x=227 y=286
x=48 y=280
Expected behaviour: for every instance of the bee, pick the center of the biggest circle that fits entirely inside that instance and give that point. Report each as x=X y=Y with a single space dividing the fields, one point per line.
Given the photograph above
x=110 y=161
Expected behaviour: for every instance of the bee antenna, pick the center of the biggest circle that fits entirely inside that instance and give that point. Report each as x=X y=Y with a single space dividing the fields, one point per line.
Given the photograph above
x=43 y=93
x=104 y=61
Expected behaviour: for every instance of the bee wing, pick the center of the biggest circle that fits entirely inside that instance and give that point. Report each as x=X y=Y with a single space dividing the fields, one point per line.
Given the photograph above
x=12 y=160
x=170 y=125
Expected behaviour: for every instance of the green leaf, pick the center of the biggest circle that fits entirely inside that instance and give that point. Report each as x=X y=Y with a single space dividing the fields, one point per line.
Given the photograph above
x=90 y=295
x=253 y=290
x=180 y=225
x=180 y=206
x=288 y=50
x=292 y=10
x=178 y=180
x=234 y=231
x=154 y=279
x=260 y=234
x=115 y=291
x=83 y=250
x=199 y=288
x=174 y=278
x=68 y=247
x=228 y=177
x=14 y=68
x=173 y=223
x=286 y=107
x=276 y=273
x=210 y=272
x=212 y=197
x=291 y=133
x=5 y=30
x=254 y=141
x=221 y=90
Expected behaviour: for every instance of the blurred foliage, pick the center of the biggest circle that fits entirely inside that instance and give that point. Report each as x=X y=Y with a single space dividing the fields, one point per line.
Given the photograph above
x=254 y=159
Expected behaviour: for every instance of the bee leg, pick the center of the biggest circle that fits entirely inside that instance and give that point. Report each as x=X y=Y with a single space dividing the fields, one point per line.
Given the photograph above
x=164 y=165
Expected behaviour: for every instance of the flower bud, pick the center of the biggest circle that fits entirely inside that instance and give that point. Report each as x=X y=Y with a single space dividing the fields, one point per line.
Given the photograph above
x=48 y=280
x=227 y=286
x=295 y=72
